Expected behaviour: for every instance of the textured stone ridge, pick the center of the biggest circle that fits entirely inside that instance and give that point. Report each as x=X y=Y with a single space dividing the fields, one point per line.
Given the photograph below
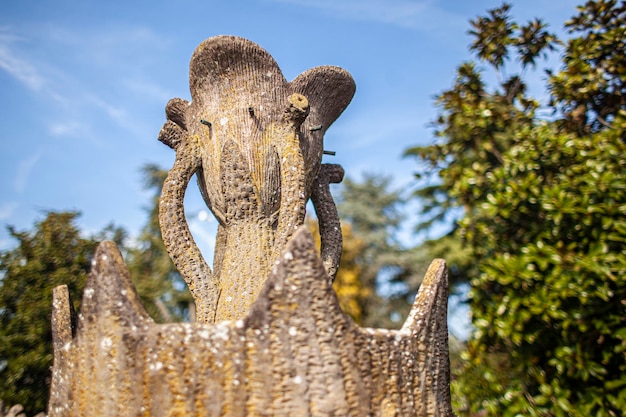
x=294 y=354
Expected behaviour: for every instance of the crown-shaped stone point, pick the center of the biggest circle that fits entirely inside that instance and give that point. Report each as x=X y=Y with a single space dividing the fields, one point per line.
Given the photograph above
x=294 y=353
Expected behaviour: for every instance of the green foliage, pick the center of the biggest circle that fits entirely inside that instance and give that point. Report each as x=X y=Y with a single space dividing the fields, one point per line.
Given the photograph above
x=551 y=236
x=591 y=88
x=476 y=126
x=52 y=254
x=458 y=256
x=158 y=282
x=495 y=35
x=348 y=286
x=541 y=207
x=389 y=272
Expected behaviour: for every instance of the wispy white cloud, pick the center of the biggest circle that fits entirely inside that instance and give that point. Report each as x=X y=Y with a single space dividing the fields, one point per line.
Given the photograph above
x=423 y=15
x=24 y=171
x=124 y=42
x=70 y=128
x=7 y=210
x=122 y=54
x=17 y=66
x=148 y=90
x=358 y=132
x=204 y=235
x=106 y=49
x=120 y=115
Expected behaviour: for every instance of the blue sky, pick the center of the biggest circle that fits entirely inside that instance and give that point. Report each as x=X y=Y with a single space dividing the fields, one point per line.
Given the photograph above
x=84 y=86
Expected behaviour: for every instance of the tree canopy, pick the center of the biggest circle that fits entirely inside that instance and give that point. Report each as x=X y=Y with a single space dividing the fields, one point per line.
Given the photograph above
x=55 y=252
x=541 y=206
x=52 y=254
x=159 y=284
x=389 y=270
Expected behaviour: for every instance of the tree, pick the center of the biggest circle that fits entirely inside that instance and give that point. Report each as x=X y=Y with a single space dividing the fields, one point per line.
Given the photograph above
x=52 y=254
x=55 y=253
x=388 y=268
x=590 y=90
x=476 y=126
x=551 y=290
x=158 y=282
x=351 y=292
x=541 y=206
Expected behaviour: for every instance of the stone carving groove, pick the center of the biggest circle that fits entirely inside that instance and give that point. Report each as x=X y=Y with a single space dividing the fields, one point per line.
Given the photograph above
x=270 y=339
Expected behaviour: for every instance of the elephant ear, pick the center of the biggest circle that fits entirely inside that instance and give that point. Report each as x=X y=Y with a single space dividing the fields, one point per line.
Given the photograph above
x=329 y=90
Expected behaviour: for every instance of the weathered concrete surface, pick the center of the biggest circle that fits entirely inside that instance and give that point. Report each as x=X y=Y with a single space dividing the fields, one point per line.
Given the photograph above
x=294 y=354
x=282 y=346
x=256 y=143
